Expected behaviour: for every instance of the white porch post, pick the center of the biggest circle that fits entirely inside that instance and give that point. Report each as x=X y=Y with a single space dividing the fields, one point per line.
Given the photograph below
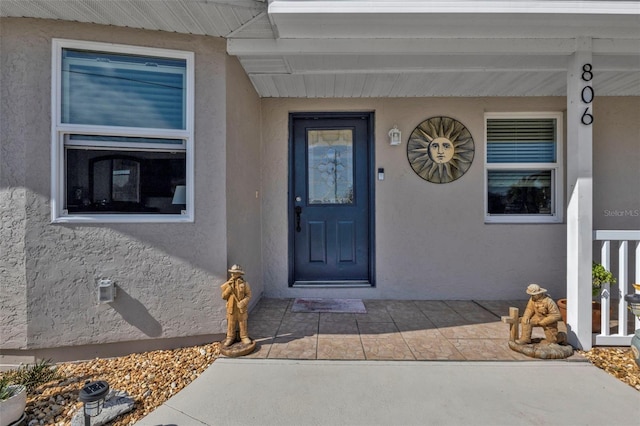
x=579 y=196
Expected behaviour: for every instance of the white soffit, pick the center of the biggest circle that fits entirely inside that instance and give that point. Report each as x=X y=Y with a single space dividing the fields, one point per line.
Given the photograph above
x=444 y=84
x=217 y=18
x=416 y=48
x=453 y=18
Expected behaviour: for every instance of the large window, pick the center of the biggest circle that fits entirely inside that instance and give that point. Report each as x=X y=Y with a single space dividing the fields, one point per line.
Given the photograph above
x=122 y=148
x=523 y=167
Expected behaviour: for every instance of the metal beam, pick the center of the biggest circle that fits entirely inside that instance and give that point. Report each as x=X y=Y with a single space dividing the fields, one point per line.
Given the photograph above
x=618 y=46
x=456 y=6
x=405 y=64
x=394 y=46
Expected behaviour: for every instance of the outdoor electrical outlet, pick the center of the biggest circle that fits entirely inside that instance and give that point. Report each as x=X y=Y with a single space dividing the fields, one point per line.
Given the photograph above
x=106 y=291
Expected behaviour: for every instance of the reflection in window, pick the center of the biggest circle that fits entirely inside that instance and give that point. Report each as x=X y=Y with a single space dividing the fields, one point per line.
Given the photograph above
x=114 y=89
x=115 y=179
x=101 y=181
x=519 y=192
x=330 y=166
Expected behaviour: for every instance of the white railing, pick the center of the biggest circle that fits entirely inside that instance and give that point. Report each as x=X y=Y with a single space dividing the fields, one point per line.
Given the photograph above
x=627 y=244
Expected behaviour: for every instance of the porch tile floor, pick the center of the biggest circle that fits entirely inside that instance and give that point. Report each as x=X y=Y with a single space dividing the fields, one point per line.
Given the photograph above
x=390 y=330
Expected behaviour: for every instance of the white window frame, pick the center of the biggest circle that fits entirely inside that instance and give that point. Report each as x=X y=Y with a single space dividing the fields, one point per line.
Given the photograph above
x=59 y=130
x=557 y=171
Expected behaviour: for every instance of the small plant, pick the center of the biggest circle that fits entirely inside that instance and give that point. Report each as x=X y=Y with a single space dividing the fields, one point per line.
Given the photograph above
x=600 y=275
x=5 y=392
x=33 y=375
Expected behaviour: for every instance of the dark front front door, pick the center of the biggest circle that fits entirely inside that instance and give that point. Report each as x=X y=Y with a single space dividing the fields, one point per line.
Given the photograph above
x=330 y=223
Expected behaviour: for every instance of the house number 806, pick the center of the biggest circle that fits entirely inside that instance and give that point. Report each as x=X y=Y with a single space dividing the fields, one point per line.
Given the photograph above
x=587 y=94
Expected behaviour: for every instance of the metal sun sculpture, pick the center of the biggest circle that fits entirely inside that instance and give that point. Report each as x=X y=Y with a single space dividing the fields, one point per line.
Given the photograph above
x=440 y=150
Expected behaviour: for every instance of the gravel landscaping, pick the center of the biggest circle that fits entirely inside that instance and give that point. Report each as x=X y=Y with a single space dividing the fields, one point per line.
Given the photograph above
x=618 y=362
x=151 y=378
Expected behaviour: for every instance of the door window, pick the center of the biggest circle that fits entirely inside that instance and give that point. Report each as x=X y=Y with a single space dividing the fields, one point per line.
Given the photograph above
x=330 y=166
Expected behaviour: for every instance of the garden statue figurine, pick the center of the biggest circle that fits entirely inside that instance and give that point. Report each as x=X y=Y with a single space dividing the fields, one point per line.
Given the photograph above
x=237 y=293
x=543 y=312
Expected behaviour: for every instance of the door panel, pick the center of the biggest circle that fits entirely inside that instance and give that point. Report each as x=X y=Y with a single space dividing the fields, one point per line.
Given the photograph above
x=346 y=242
x=330 y=186
x=317 y=242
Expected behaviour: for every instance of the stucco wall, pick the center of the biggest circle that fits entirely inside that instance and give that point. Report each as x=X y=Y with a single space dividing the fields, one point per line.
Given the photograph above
x=616 y=163
x=168 y=275
x=243 y=176
x=14 y=77
x=431 y=240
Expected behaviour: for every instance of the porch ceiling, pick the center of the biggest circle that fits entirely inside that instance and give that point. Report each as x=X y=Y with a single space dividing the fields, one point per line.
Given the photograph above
x=217 y=18
x=376 y=48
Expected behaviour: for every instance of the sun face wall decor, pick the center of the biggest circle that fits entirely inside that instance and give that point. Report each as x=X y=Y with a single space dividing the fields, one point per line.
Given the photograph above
x=440 y=150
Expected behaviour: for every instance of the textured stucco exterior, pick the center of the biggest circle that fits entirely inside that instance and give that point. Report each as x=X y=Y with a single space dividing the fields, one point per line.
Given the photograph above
x=244 y=231
x=13 y=285
x=167 y=275
x=431 y=240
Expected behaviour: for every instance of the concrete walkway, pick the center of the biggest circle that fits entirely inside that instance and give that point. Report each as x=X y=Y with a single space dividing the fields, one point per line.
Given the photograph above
x=300 y=392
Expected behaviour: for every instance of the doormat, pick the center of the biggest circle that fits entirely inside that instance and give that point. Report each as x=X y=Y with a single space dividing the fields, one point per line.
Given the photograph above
x=340 y=306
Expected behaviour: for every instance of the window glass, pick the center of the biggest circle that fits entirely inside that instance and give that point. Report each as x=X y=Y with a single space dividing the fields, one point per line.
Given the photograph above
x=521 y=140
x=123 y=90
x=330 y=162
x=123 y=137
x=519 y=191
x=523 y=168
x=111 y=181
